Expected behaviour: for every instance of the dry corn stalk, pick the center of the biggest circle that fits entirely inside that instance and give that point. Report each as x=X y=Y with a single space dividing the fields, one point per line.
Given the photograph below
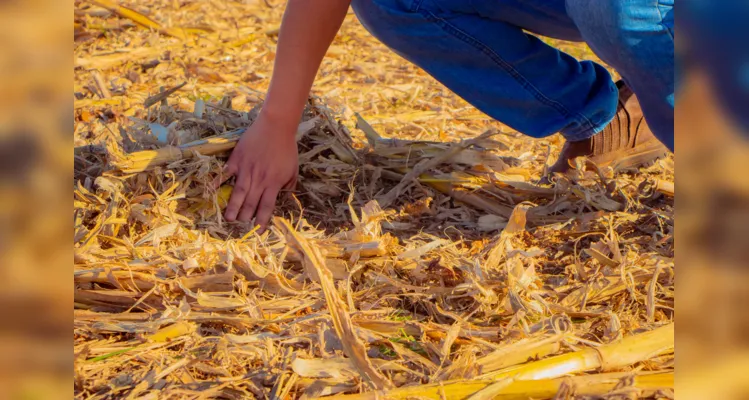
x=665 y=187
x=520 y=352
x=600 y=384
x=426 y=165
x=145 y=160
x=628 y=351
x=352 y=346
x=139 y=18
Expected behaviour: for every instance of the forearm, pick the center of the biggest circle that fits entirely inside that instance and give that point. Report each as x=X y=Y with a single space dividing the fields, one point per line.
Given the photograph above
x=307 y=29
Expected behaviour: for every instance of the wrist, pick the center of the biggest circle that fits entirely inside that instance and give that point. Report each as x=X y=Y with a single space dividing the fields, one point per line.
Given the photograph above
x=284 y=122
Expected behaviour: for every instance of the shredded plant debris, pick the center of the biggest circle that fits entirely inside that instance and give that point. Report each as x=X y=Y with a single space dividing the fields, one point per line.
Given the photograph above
x=418 y=257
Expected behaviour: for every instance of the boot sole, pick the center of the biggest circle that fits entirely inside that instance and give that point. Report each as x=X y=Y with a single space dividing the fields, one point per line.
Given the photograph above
x=640 y=155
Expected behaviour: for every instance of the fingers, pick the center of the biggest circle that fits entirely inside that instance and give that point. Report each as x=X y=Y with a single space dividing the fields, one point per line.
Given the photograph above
x=266 y=207
x=230 y=169
x=251 y=202
x=252 y=196
x=238 y=195
x=291 y=185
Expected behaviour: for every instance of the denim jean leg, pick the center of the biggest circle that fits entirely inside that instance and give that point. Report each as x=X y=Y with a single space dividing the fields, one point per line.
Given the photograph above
x=493 y=64
x=636 y=37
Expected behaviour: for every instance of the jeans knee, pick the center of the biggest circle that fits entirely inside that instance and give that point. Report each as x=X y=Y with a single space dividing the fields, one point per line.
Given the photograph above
x=382 y=18
x=363 y=14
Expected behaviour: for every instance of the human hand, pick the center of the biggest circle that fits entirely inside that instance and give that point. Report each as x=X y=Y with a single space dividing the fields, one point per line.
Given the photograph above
x=265 y=161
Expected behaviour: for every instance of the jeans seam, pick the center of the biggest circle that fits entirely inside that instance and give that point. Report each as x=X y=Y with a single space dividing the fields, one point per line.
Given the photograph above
x=586 y=124
x=660 y=14
x=415 y=5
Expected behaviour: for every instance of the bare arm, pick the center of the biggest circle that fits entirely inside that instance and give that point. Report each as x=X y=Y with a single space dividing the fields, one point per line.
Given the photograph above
x=307 y=30
x=265 y=159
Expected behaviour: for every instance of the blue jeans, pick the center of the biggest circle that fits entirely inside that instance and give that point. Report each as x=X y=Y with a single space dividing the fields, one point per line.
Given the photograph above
x=479 y=50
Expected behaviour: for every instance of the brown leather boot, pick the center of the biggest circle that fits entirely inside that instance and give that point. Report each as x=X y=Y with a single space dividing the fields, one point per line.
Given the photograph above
x=626 y=142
